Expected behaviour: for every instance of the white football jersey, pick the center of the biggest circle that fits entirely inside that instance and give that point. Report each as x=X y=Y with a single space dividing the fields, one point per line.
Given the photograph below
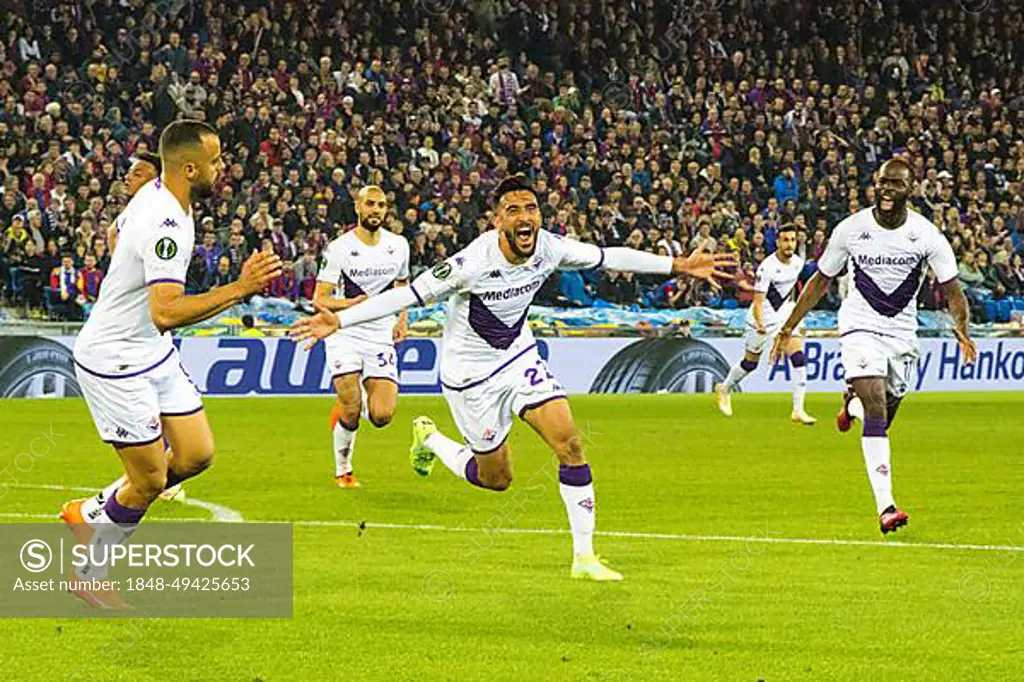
x=355 y=269
x=488 y=300
x=777 y=281
x=154 y=244
x=888 y=267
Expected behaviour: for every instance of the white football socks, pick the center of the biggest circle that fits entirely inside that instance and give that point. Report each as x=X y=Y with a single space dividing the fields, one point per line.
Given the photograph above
x=577 y=489
x=454 y=455
x=799 y=388
x=875 y=444
x=344 y=444
x=92 y=508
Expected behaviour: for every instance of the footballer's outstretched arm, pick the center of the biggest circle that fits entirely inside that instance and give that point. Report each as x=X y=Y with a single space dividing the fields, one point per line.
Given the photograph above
x=437 y=283
x=326 y=321
x=170 y=307
x=699 y=264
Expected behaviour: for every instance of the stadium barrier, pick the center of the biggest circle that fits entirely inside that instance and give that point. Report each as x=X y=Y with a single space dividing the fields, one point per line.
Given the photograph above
x=43 y=367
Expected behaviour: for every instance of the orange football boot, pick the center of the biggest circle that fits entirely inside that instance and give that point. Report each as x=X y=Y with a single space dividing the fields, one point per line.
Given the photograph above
x=347 y=481
x=71 y=513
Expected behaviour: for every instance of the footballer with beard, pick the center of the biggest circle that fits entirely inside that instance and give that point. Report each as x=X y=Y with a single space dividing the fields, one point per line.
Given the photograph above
x=889 y=249
x=126 y=364
x=365 y=261
x=491 y=368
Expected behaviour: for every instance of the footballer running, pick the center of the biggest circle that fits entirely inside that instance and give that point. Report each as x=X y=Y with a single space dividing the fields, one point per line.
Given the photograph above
x=365 y=261
x=776 y=286
x=491 y=369
x=888 y=247
x=128 y=368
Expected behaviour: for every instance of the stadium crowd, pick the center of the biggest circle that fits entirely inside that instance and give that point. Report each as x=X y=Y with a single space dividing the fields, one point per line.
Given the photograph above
x=651 y=124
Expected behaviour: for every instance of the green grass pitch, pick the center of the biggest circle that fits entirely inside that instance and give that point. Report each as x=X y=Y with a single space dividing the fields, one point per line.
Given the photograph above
x=399 y=603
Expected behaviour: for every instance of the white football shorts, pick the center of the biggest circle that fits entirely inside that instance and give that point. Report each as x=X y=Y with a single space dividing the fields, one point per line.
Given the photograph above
x=483 y=410
x=127 y=409
x=371 y=360
x=867 y=354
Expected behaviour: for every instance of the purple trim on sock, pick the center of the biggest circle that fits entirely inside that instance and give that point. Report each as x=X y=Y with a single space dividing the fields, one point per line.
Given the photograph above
x=798 y=359
x=875 y=428
x=575 y=475
x=472 y=475
x=748 y=365
x=121 y=514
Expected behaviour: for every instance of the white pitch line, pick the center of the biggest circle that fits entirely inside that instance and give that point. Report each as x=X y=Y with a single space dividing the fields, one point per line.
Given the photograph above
x=223 y=514
x=220 y=513
x=668 y=536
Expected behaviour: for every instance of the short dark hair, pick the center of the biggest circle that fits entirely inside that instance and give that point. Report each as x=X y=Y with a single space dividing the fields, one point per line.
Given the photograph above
x=183 y=133
x=513 y=183
x=151 y=159
x=788 y=227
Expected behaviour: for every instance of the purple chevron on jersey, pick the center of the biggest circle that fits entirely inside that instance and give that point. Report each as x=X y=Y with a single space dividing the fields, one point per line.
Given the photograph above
x=351 y=288
x=491 y=329
x=889 y=305
x=774 y=297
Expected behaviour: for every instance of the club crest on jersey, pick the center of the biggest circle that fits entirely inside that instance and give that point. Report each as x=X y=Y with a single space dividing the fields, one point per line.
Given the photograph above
x=154 y=424
x=442 y=270
x=537 y=262
x=166 y=248
x=489 y=435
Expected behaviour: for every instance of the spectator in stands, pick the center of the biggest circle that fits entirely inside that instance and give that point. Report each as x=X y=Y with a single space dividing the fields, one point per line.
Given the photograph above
x=305 y=273
x=88 y=284
x=774 y=115
x=286 y=285
x=63 y=289
x=221 y=276
x=991 y=281
x=972 y=278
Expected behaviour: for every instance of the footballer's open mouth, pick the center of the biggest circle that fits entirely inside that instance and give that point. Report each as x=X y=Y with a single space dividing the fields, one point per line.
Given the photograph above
x=524 y=236
x=887 y=201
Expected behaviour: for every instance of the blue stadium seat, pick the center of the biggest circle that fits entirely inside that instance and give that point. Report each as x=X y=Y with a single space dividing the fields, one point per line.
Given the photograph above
x=1018 y=303
x=991 y=310
x=730 y=304
x=1005 y=307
